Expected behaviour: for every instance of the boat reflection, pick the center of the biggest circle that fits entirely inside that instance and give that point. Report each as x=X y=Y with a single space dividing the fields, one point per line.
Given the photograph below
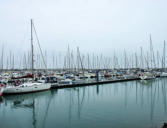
x=146 y=82
x=30 y=102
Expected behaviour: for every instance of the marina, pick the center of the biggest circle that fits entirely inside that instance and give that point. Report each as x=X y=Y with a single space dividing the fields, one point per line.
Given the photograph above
x=77 y=74
x=83 y=64
x=81 y=77
x=68 y=80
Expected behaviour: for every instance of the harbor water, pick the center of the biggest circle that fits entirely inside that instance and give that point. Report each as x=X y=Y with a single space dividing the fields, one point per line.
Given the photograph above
x=133 y=104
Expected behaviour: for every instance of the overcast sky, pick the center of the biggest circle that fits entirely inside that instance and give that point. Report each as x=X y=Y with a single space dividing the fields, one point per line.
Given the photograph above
x=99 y=26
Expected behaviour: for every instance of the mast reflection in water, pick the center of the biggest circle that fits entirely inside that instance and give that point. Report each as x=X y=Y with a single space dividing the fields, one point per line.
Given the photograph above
x=139 y=104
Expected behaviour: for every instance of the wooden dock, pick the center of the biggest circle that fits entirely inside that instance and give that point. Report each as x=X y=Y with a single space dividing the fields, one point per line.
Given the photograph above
x=56 y=86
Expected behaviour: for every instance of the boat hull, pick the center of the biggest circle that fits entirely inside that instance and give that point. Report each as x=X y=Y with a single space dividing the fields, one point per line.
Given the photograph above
x=28 y=89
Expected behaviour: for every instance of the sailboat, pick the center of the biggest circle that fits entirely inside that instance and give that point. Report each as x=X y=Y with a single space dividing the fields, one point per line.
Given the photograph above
x=30 y=86
x=147 y=76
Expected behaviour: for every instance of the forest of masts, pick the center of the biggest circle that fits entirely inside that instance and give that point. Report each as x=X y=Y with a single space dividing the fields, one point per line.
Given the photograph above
x=74 y=59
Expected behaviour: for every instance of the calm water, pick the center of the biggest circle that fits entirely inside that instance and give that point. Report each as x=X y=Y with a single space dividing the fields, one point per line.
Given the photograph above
x=136 y=104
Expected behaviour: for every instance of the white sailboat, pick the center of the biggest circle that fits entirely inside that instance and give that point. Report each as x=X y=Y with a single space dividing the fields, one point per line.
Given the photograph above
x=147 y=76
x=31 y=86
x=163 y=74
x=27 y=88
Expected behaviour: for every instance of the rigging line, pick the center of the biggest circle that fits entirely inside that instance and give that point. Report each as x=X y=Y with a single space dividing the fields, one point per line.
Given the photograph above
x=39 y=46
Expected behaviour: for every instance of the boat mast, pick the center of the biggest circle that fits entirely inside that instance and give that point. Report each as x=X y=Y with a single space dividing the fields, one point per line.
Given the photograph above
x=2 y=58
x=32 y=50
x=164 y=56
x=136 y=60
x=142 y=64
x=151 y=52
